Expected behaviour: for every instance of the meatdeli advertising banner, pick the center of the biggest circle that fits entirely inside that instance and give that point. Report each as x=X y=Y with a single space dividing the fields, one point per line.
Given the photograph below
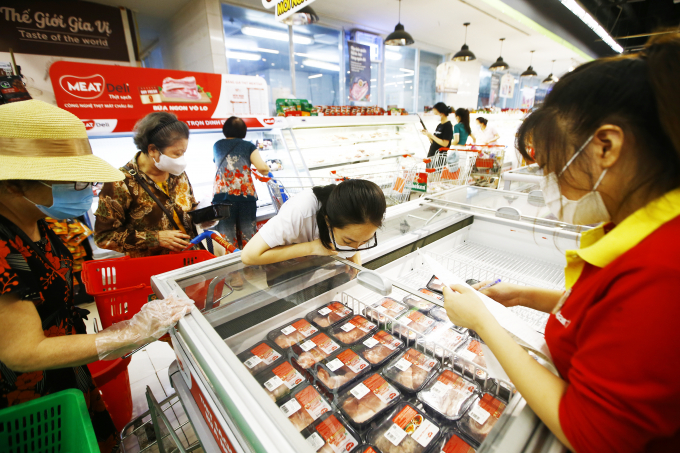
x=111 y=99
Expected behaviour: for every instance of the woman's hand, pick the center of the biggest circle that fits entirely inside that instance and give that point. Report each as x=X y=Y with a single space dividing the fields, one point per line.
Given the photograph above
x=464 y=307
x=427 y=133
x=318 y=249
x=506 y=294
x=173 y=240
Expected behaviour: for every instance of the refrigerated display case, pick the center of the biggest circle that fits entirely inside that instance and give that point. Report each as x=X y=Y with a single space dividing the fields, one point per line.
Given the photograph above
x=523 y=179
x=469 y=230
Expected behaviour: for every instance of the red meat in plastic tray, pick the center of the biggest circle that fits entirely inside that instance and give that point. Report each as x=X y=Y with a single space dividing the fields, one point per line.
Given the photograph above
x=481 y=418
x=185 y=88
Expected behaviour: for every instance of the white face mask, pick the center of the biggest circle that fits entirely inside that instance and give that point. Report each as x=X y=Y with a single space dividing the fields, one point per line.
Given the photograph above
x=587 y=210
x=172 y=166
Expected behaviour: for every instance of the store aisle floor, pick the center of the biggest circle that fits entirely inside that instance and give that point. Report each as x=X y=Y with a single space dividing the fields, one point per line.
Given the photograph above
x=149 y=367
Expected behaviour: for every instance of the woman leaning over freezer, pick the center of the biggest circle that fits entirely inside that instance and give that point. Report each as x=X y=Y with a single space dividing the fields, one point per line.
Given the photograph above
x=608 y=139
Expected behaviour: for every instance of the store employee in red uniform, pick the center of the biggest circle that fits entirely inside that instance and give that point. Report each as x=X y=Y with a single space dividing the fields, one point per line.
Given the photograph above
x=608 y=137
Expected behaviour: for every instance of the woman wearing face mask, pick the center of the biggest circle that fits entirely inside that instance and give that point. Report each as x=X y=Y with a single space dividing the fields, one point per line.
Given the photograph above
x=129 y=219
x=444 y=133
x=607 y=137
x=47 y=169
x=337 y=219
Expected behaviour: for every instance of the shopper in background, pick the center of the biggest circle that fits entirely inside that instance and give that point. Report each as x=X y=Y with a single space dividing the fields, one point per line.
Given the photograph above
x=608 y=141
x=47 y=169
x=487 y=135
x=337 y=219
x=461 y=131
x=234 y=182
x=146 y=214
x=444 y=133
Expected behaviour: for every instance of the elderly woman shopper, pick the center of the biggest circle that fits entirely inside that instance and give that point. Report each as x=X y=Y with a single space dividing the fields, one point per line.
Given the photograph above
x=47 y=169
x=146 y=214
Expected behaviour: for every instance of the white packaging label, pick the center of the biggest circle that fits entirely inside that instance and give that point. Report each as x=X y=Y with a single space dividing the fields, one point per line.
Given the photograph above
x=273 y=383
x=467 y=355
x=291 y=407
x=479 y=415
x=440 y=389
x=316 y=441
x=371 y=342
x=380 y=308
x=425 y=433
x=395 y=434
x=325 y=311
x=359 y=391
x=288 y=330
x=251 y=362
x=347 y=327
x=307 y=345
x=335 y=364
x=405 y=321
x=403 y=364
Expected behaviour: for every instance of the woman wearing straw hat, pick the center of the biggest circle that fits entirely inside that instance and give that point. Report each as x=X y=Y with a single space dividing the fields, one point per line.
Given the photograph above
x=46 y=169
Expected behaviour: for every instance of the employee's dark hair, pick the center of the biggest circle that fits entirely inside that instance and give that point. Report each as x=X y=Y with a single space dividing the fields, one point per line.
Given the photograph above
x=482 y=120
x=161 y=129
x=352 y=202
x=464 y=116
x=639 y=93
x=442 y=108
x=235 y=127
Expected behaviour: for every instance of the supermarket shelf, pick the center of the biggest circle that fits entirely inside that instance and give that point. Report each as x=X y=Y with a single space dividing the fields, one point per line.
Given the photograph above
x=356 y=161
x=373 y=140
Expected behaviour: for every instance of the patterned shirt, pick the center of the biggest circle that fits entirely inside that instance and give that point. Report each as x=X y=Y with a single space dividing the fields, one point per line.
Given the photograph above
x=128 y=220
x=233 y=167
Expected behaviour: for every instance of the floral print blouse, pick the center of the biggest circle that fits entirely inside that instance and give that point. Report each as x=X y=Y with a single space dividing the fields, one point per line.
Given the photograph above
x=128 y=220
x=233 y=177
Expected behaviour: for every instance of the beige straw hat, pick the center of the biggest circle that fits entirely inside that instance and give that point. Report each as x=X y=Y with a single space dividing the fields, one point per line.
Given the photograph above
x=39 y=141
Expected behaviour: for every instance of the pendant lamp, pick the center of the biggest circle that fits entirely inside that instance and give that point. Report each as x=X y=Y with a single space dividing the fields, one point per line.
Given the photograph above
x=305 y=16
x=464 y=53
x=551 y=78
x=399 y=37
x=499 y=65
x=530 y=70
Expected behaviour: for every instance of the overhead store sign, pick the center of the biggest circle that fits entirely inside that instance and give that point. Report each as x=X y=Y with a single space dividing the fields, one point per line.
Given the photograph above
x=448 y=78
x=269 y=3
x=359 y=72
x=111 y=99
x=65 y=29
x=285 y=8
x=507 y=86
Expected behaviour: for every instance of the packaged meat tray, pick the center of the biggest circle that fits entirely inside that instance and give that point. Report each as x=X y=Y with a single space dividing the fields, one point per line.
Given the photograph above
x=443 y=340
x=411 y=370
x=280 y=380
x=449 y=395
x=413 y=321
x=439 y=314
x=329 y=315
x=432 y=293
x=472 y=351
x=368 y=449
x=337 y=372
x=453 y=441
x=379 y=348
x=286 y=336
x=260 y=357
x=405 y=430
x=304 y=407
x=421 y=304
x=332 y=434
x=435 y=285
x=386 y=308
x=310 y=352
x=481 y=417
x=365 y=401
x=353 y=331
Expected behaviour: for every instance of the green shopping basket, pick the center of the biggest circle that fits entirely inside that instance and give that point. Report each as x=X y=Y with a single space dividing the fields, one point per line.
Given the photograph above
x=52 y=423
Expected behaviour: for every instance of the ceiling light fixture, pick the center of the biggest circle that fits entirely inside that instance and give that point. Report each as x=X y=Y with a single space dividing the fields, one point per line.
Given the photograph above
x=243 y=56
x=399 y=37
x=321 y=65
x=593 y=24
x=305 y=16
x=315 y=76
x=260 y=49
x=551 y=78
x=499 y=65
x=464 y=54
x=530 y=70
x=276 y=35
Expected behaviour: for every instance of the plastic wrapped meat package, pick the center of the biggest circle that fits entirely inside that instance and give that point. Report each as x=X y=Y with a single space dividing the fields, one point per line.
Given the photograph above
x=280 y=380
x=366 y=400
x=449 y=395
x=421 y=304
x=442 y=340
x=340 y=370
x=431 y=293
x=453 y=441
x=435 y=285
x=291 y=334
x=386 y=308
x=329 y=315
x=379 y=348
x=411 y=322
x=331 y=434
x=439 y=314
x=481 y=417
x=310 y=352
x=260 y=357
x=353 y=331
x=411 y=370
x=404 y=430
x=368 y=449
x=472 y=351
x=304 y=407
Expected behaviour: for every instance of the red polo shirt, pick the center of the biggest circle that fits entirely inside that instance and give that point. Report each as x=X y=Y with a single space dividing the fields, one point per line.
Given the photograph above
x=616 y=340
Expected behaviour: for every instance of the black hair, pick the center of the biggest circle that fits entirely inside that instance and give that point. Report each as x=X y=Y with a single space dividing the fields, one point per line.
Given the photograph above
x=161 y=129
x=464 y=116
x=234 y=127
x=442 y=108
x=352 y=202
x=638 y=93
x=482 y=120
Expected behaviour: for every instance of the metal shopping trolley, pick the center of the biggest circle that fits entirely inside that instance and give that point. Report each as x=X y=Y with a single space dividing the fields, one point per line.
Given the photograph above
x=488 y=166
x=451 y=167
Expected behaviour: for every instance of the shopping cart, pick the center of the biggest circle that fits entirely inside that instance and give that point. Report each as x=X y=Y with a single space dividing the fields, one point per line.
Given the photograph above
x=293 y=184
x=487 y=169
x=451 y=167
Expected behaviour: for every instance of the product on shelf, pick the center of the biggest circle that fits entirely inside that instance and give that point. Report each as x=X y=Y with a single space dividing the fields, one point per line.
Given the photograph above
x=481 y=417
x=421 y=304
x=449 y=395
x=311 y=351
x=387 y=307
x=292 y=333
x=329 y=315
x=431 y=293
x=331 y=434
x=472 y=351
x=368 y=449
x=411 y=370
x=439 y=313
x=304 y=406
x=453 y=441
x=343 y=368
x=413 y=321
x=353 y=331
x=436 y=285
x=443 y=339
x=279 y=381
x=405 y=430
x=379 y=348
x=366 y=400
x=261 y=356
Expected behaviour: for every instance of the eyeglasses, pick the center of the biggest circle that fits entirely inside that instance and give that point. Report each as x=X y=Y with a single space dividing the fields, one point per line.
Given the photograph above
x=371 y=243
x=83 y=185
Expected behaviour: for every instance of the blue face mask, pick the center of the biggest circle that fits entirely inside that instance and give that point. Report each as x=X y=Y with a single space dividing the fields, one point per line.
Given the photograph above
x=67 y=202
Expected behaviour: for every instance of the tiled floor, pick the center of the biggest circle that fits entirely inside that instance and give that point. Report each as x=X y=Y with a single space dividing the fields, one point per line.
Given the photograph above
x=149 y=368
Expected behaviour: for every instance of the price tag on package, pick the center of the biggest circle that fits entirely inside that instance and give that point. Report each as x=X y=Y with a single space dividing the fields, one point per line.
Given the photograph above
x=395 y=434
x=479 y=415
x=307 y=345
x=335 y=364
x=325 y=311
x=440 y=389
x=371 y=342
x=290 y=407
x=251 y=362
x=288 y=330
x=316 y=441
x=359 y=391
x=273 y=383
x=403 y=364
x=347 y=327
